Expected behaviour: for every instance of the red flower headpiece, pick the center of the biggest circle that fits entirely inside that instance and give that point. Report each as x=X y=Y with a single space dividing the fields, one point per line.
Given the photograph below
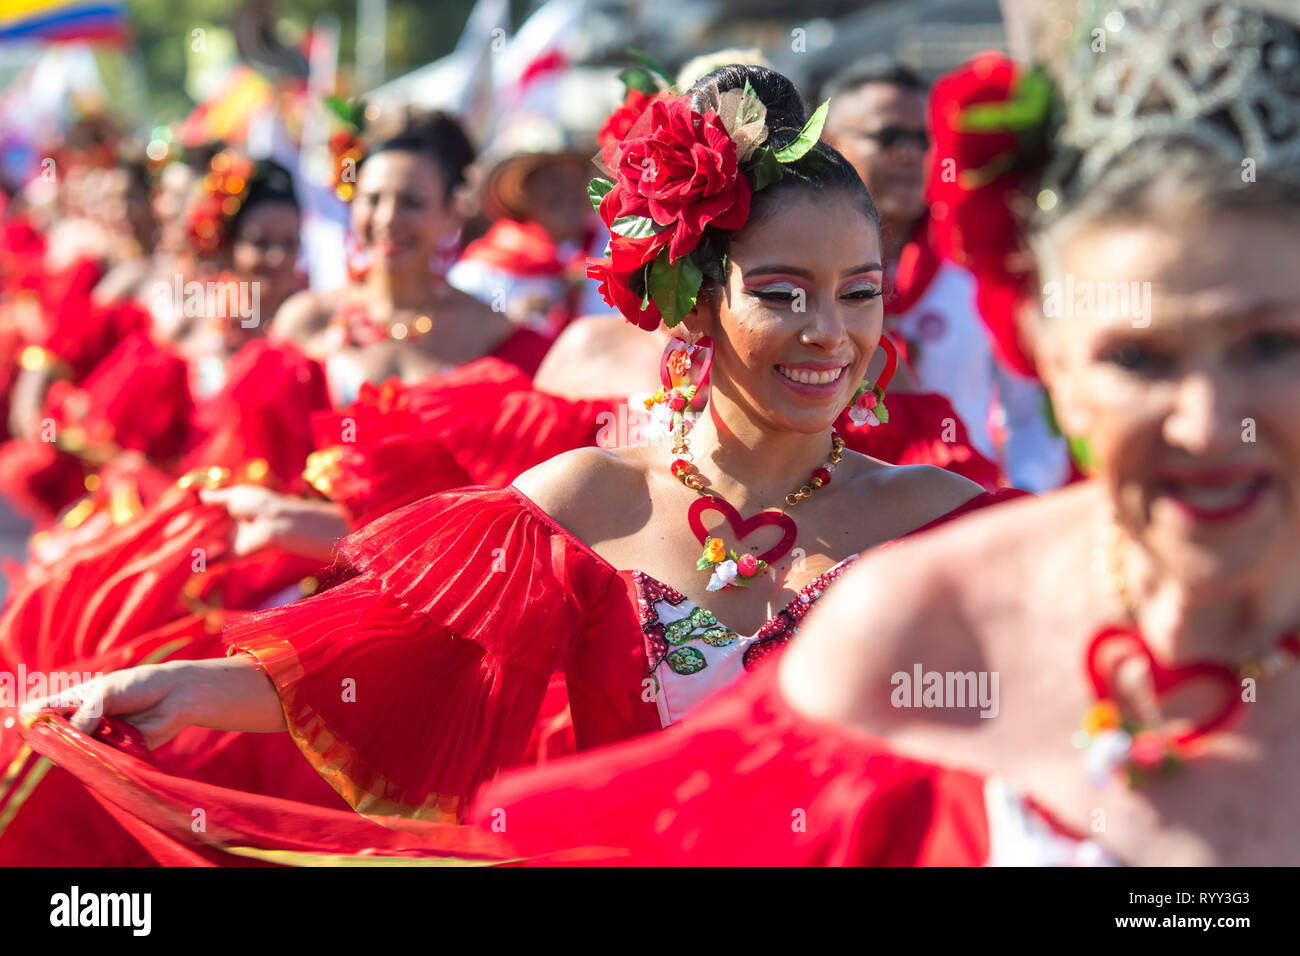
x=673 y=172
x=221 y=195
x=989 y=126
x=347 y=144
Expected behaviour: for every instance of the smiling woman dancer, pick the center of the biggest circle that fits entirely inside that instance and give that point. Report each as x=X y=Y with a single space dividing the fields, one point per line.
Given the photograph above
x=1144 y=622
x=460 y=607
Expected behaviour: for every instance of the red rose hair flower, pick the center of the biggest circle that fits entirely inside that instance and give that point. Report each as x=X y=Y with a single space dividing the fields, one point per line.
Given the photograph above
x=673 y=173
x=620 y=122
x=221 y=194
x=683 y=174
x=988 y=119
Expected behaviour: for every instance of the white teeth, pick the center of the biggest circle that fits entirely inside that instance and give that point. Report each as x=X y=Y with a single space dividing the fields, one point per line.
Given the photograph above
x=805 y=377
x=1214 y=497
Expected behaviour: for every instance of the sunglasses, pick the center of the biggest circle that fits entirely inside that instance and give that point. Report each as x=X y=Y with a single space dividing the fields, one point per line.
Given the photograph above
x=890 y=136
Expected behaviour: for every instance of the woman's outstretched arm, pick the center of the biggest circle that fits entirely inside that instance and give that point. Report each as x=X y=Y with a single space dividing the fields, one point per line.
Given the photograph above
x=160 y=700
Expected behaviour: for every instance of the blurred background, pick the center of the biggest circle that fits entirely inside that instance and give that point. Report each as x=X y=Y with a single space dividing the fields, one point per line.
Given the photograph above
x=274 y=78
x=214 y=66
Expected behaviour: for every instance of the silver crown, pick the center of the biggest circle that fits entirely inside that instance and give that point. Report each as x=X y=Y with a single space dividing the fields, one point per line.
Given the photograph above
x=1223 y=75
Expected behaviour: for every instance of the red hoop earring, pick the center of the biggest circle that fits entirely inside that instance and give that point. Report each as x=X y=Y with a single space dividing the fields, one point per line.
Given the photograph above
x=868 y=405
x=684 y=376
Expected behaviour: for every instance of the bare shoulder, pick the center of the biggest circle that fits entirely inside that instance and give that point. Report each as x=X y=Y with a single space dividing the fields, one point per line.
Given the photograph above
x=934 y=598
x=579 y=487
x=912 y=495
x=303 y=315
x=483 y=327
x=929 y=483
x=597 y=356
x=451 y=300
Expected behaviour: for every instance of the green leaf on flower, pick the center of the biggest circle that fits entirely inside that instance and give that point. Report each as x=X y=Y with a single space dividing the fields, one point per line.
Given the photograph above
x=635 y=227
x=636 y=78
x=674 y=287
x=807 y=138
x=880 y=411
x=703 y=564
x=351 y=113
x=751 y=107
x=645 y=291
x=1031 y=100
x=653 y=65
x=763 y=169
x=686 y=661
x=597 y=190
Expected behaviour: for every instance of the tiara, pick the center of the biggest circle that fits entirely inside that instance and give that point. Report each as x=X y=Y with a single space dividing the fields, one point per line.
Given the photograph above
x=1222 y=75
x=1114 y=94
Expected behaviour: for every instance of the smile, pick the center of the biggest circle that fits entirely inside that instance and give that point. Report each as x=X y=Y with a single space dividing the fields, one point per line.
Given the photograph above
x=805 y=376
x=1217 y=500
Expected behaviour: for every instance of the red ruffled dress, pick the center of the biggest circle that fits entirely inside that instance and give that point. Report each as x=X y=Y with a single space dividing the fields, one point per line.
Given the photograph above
x=748 y=781
x=454 y=614
x=81 y=337
x=485 y=596
x=127 y=593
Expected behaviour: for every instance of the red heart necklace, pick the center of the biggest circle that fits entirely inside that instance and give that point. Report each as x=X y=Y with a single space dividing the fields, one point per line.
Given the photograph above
x=727 y=568
x=1111 y=741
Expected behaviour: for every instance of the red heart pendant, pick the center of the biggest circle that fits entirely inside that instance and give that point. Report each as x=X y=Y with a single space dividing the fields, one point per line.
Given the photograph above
x=1121 y=643
x=743 y=527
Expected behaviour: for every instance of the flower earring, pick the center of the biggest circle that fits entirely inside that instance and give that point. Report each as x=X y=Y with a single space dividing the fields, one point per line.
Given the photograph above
x=684 y=373
x=868 y=405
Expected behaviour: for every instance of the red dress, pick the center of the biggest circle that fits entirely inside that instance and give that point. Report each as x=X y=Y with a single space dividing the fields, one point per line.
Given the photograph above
x=747 y=781
x=127 y=593
x=454 y=614
x=133 y=588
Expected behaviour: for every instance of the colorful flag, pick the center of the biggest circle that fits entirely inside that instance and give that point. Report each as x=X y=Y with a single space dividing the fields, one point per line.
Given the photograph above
x=53 y=20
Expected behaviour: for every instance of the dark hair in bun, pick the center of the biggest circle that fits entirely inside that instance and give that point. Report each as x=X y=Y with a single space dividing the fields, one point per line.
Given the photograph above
x=821 y=170
x=785 y=107
x=269 y=184
x=438 y=136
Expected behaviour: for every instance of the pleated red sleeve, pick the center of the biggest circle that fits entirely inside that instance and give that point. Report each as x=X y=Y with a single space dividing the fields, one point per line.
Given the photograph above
x=420 y=676
x=81 y=331
x=748 y=781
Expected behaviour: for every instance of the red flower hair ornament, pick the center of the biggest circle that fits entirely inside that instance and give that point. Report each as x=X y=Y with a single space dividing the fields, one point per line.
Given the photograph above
x=672 y=173
x=989 y=121
x=221 y=195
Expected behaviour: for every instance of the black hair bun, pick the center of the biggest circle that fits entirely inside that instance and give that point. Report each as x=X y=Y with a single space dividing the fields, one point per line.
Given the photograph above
x=437 y=135
x=785 y=106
